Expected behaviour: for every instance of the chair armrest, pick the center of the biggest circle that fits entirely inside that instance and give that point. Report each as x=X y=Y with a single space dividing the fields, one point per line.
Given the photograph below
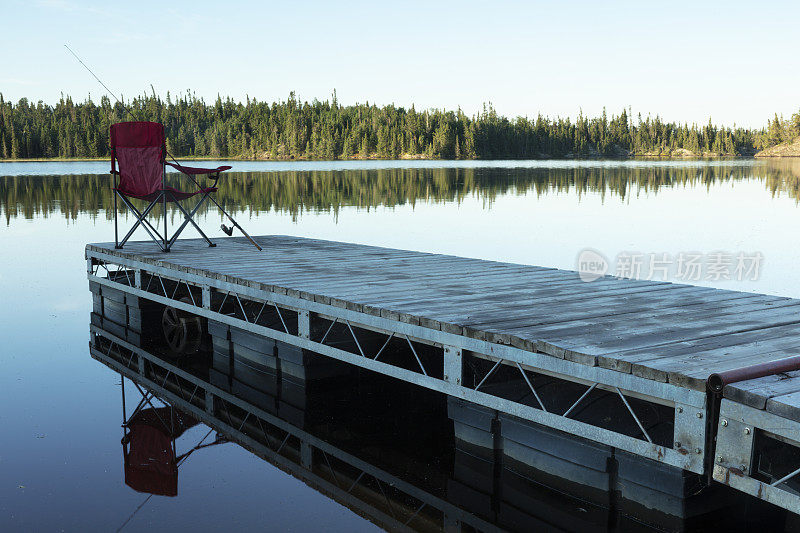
x=196 y=170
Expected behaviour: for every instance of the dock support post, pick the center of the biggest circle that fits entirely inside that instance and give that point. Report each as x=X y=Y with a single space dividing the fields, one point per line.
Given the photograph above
x=451 y=524
x=303 y=324
x=209 y=403
x=206 y=297
x=734 y=448
x=137 y=278
x=306 y=455
x=452 y=365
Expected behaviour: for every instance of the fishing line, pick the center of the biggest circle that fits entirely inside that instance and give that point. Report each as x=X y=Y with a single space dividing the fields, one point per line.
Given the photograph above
x=95 y=77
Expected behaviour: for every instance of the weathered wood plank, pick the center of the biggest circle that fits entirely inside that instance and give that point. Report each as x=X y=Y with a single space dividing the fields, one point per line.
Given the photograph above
x=605 y=335
x=787 y=406
x=622 y=361
x=692 y=371
x=756 y=392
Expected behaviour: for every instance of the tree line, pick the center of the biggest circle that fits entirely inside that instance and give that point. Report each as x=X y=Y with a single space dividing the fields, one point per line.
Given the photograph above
x=292 y=129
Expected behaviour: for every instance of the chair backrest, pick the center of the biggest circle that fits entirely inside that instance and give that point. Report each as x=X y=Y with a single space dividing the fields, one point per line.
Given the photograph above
x=138 y=147
x=150 y=463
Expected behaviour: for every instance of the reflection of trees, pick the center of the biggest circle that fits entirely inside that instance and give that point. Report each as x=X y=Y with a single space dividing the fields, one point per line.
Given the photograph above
x=783 y=177
x=298 y=191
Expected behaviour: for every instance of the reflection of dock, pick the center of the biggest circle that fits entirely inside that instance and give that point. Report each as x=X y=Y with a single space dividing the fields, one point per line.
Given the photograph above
x=371 y=471
x=383 y=497
x=619 y=363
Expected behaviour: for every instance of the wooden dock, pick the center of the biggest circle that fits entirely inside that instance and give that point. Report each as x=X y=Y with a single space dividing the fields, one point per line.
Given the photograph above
x=509 y=337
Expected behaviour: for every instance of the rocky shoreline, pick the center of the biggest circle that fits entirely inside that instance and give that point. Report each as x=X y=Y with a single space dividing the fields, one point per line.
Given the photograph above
x=791 y=149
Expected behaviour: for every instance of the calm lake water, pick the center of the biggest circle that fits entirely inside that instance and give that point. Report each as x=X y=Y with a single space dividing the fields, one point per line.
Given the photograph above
x=60 y=410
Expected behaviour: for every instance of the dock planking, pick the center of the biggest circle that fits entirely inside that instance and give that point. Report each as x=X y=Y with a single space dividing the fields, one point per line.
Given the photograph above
x=657 y=330
x=757 y=392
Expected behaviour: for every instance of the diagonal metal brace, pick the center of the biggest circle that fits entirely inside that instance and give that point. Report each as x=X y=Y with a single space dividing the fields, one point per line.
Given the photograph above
x=322 y=340
x=385 y=344
x=489 y=373
x=353 y=333
x=530 y=386
x=416 y=356
x=242 y=308
x=785 y=478
x=280 y=315
x=630 y=410
x=579 y=400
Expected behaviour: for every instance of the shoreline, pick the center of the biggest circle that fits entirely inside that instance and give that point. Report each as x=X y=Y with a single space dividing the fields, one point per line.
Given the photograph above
x=301 y=159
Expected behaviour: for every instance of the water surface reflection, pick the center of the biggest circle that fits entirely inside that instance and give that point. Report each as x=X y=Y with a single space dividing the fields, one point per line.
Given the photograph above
x=61 y=427
x=298 y=191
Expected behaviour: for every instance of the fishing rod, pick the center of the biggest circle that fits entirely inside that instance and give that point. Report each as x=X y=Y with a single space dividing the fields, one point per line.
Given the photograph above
x=228 y=231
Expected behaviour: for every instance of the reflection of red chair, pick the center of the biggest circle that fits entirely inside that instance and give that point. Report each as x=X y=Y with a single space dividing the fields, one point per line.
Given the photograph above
x=149 y=450
x=140 y=149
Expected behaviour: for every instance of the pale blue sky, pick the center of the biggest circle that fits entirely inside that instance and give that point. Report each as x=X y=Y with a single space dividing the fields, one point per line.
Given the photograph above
x=731 y=61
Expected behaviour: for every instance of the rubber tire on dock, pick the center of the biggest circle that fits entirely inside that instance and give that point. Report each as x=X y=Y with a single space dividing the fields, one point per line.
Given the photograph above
x=182 y=330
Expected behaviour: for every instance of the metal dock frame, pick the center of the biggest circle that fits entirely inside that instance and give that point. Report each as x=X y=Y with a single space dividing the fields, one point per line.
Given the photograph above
x=689 y=446
x=735 y=458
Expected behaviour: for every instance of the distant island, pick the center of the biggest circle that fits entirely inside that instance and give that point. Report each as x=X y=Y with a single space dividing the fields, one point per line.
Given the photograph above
x=326 y=130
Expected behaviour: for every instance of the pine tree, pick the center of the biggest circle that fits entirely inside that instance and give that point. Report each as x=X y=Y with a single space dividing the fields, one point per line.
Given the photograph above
x=15 y=151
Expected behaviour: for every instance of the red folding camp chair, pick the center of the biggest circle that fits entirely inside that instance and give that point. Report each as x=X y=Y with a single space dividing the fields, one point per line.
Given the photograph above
x=139 y=149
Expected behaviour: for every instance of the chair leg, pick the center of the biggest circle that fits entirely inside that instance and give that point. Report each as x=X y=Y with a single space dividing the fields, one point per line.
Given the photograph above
x=116 y=230
x=189 y=219
x=141 y=219
x=166 y=242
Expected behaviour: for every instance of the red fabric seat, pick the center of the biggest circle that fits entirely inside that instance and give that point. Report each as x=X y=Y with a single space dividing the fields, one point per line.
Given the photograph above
x=175 y=196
